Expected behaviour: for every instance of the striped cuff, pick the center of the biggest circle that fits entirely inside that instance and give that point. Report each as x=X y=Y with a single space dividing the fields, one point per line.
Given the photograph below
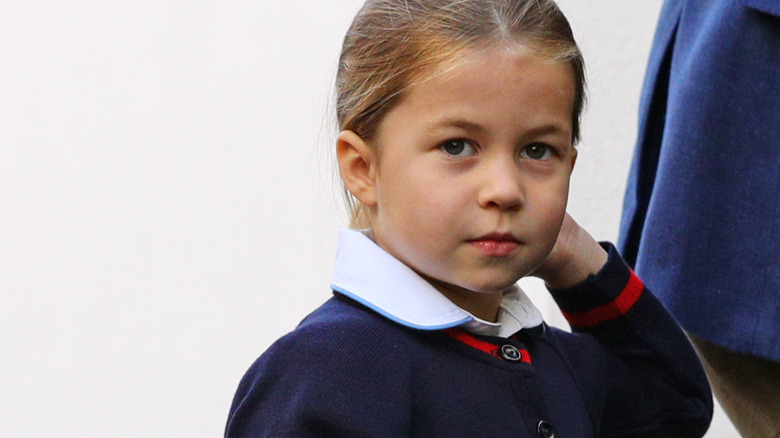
x=602 y=297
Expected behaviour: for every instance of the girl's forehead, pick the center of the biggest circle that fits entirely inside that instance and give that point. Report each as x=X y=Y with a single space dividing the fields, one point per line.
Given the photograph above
x=505 y=56
x=493 y=89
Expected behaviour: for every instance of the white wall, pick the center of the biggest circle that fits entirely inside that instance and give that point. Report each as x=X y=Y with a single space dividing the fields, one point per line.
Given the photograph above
x=166 y=205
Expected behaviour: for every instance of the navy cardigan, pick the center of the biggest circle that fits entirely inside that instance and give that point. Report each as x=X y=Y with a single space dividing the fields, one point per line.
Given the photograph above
x=627 y=370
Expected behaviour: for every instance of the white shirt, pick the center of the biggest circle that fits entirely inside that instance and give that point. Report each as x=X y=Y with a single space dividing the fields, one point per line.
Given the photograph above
x=369 y=275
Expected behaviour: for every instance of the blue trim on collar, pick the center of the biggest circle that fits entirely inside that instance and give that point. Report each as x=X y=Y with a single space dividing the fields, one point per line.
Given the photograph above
x=395 y=319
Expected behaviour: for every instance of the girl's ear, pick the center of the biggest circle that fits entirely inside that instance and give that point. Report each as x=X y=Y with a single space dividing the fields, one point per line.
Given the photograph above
x=573 y=157
x=357 y=167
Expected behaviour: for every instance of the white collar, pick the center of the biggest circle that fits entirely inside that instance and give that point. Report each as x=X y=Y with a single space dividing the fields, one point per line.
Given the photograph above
x=366 y=273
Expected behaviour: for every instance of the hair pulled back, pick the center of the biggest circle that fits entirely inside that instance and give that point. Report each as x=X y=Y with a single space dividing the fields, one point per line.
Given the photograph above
x=392 y=42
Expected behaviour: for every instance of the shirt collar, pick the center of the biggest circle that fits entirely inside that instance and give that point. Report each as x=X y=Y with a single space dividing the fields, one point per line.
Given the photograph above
x=366 y=273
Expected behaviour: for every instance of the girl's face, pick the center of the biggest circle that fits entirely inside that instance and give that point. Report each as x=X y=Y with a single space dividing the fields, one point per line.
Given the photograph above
x=472 y=179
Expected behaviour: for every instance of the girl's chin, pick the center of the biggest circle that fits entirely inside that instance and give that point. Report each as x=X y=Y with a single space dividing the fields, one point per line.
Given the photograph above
x=488 y=287
x=493 y=287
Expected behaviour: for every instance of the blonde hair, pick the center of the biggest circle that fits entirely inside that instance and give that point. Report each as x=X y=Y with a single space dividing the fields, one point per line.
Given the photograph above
x=393 y=42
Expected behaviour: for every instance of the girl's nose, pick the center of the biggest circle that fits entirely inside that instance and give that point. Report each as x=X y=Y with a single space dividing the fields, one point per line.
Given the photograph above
x=502 y=187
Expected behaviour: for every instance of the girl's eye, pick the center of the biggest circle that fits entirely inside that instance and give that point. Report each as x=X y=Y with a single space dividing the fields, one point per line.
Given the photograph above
x=537 y=151
x=458 y=148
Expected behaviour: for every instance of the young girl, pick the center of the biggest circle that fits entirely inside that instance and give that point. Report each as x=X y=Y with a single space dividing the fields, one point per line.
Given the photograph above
x=458 y=120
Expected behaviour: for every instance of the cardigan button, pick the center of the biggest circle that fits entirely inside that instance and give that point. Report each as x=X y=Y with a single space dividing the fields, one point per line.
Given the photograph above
x=545 y=430
x=510 y=352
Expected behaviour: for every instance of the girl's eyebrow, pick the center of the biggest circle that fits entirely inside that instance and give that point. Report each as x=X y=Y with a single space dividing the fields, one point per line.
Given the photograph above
x=547 y=129
x=472 y=128
x=550 y=129
x=460 y=123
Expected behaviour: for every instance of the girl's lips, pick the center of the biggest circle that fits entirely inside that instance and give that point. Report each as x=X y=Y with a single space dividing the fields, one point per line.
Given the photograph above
x=496 y=245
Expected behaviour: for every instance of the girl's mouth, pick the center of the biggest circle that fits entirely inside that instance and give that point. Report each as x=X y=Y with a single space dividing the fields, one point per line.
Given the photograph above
x=496 y=244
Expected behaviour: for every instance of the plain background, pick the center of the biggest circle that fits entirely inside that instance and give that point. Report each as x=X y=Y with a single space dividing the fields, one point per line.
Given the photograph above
x=168 y=206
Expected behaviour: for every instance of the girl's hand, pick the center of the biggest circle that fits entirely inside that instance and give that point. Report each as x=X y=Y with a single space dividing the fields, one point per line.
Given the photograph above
x=574 y=257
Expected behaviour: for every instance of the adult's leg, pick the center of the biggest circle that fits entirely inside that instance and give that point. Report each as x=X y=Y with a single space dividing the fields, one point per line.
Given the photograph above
x=747 y=387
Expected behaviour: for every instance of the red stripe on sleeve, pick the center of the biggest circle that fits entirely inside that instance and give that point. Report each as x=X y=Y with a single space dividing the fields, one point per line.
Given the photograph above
x=610 y=311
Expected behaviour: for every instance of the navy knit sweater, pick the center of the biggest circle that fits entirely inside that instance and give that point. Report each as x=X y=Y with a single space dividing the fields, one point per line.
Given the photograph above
x=627 y=370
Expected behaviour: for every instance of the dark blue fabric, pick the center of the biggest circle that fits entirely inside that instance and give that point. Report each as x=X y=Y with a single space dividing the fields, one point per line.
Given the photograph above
x=346 y=371
x=701 y=217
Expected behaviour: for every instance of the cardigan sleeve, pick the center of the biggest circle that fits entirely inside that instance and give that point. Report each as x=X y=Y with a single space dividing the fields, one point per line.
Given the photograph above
x=322 y=381
x=652 y=383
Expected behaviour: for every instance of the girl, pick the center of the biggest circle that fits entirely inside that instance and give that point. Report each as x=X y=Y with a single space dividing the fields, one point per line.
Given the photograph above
x=458 y=120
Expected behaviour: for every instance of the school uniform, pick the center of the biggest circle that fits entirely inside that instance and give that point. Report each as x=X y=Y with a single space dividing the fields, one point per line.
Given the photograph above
x=701 y=216
x=389 y=356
